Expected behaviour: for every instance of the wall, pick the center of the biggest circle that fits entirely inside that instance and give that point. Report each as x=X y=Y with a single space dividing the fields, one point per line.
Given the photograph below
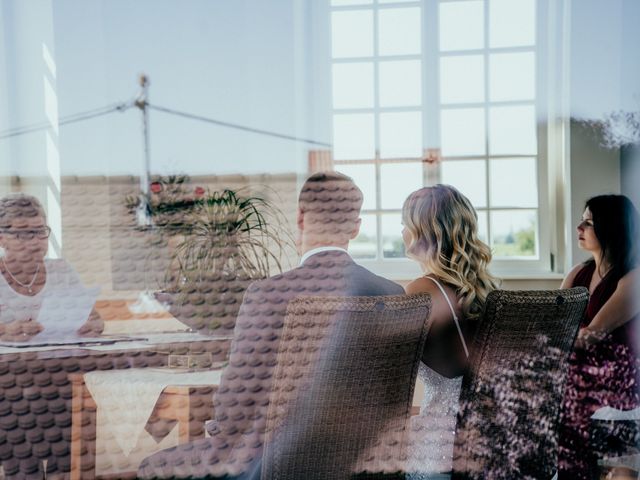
x=605 y=77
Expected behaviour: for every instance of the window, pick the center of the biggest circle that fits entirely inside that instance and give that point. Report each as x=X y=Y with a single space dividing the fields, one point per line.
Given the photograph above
x=457 y=79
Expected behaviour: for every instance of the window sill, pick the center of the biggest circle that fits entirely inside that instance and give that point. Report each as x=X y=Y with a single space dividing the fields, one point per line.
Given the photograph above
x=403 y=270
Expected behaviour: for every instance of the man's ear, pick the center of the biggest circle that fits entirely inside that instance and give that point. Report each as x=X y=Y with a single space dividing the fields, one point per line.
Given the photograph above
x=356 y=229
x=300 y=219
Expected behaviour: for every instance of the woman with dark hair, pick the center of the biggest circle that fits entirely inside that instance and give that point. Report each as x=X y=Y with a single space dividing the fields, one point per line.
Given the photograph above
x=604 y=368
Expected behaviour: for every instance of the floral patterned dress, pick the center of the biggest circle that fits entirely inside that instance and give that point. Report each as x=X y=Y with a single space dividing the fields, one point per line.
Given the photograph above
x=603 y=374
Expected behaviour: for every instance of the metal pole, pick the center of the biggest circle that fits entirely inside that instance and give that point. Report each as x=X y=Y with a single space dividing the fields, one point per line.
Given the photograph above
x=142 y=215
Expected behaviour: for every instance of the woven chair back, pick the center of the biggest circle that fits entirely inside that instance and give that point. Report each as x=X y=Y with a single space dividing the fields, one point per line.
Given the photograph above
x=343 y=386
x=512 y=392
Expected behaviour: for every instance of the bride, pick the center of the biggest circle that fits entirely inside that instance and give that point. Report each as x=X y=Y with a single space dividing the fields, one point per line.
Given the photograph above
x=441 y=234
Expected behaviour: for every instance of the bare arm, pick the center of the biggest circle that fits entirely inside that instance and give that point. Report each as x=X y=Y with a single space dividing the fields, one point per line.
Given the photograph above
x=93 y=326
x=621 y=307
x=571 y=276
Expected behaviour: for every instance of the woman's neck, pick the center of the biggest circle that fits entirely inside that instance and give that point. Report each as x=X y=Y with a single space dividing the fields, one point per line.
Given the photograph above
x=602 y=265
x=22 y=269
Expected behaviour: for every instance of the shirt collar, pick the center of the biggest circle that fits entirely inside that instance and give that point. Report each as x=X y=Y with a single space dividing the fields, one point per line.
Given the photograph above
x=318 y=250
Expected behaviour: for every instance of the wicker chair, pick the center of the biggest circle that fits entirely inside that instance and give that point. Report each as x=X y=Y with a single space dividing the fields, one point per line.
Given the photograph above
x=343 y=386
x=511 y=395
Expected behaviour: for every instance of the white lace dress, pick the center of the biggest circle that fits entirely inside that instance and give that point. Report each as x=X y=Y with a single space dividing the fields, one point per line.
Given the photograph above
x=432 y=431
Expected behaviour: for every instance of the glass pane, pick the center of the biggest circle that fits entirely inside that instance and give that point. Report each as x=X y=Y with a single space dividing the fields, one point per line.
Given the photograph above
x=401 y=135
x=483 y=226
x=514 y=182
x=461 y=25
x=353 y=136
x=352 y=33
x=344 y=3
x=399 y=31
x=462 y=131
x=512 y=76
x=512 y=130
x=400 y=83
x=365 y=178
x=392 y=243
x=364 y=245
x=468 y=176
x=353 y=85
x=512 y=23
x=514 y=233
x=397 y=181
x=462 y=79
x=396 y=1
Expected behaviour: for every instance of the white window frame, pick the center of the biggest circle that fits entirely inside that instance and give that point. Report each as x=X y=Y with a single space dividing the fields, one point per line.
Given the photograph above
x=549 y=217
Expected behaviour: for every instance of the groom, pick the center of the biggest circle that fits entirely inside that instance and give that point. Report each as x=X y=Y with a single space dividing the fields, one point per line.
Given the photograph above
x=328 y=217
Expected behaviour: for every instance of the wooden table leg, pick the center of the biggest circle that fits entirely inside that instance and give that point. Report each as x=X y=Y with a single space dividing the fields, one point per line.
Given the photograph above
x=83 y=430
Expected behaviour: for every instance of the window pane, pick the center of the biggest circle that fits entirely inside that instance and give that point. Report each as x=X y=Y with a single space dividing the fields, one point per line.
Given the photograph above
x=353 y=136
x=462 y=131
x=344 y=3
x=462 y=79
x=514 y=233
x=512 y=130
x=352 y=33
x=353 y=85
x=461 y=25
x=514 y=182
x=401 y=135
x=511 y=23
x=400 y=83
x=392 y=243
x=483 y=226
x=399 y=31
x=397 y=181
x=468 y=176
x=365 y=177
x=364 y=245
x=512 y=76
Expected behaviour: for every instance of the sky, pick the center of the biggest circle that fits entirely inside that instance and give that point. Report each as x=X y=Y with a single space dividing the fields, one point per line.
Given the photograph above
x=228 y=60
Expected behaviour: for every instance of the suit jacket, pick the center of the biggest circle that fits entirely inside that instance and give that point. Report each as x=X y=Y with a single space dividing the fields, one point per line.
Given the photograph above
x=242 y=399
x=241 y=402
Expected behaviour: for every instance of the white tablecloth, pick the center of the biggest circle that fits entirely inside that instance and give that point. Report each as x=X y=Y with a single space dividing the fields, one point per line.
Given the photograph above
x=127 y=397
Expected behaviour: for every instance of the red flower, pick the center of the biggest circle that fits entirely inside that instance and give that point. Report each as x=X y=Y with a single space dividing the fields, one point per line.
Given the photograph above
x=199 y=191
x=156 y=187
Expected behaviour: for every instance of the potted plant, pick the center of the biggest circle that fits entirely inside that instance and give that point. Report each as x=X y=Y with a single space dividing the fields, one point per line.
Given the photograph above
x=220 y=241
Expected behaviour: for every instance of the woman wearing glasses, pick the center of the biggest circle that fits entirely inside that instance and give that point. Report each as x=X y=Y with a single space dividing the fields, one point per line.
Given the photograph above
x=28 y=280
x=604 y=365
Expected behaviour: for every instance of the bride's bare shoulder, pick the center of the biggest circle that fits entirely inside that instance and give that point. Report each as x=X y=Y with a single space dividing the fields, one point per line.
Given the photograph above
x=420 y=285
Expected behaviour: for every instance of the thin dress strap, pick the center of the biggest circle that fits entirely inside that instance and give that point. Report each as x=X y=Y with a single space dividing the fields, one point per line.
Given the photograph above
x=455 y=317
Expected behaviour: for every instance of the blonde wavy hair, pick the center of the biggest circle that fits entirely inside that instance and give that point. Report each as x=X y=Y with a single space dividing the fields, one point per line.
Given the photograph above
x=443 y=238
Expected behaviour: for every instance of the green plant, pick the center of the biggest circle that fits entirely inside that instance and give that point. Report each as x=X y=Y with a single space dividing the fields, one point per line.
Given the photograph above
x=219 y=241
x=228 y=233
x=228 y=239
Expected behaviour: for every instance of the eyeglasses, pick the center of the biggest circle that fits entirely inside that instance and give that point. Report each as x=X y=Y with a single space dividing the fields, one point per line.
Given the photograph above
x=40 y=233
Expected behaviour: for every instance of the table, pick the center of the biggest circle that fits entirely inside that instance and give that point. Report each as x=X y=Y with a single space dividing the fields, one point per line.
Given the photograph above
x=36 y=409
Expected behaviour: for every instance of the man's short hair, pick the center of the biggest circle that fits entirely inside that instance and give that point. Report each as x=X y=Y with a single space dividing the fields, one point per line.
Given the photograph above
x=331 y=203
